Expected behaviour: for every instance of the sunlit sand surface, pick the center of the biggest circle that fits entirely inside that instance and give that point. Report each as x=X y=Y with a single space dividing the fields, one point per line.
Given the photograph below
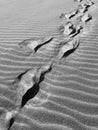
x=68 y=95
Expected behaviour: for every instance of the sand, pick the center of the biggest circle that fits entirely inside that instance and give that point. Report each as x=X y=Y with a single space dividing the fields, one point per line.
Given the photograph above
x=67 y=99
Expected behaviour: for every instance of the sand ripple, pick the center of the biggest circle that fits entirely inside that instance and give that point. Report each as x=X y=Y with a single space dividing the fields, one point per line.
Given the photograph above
x=68 y=95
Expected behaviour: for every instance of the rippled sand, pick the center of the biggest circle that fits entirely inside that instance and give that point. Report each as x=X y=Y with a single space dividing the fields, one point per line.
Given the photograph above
x=68 y=97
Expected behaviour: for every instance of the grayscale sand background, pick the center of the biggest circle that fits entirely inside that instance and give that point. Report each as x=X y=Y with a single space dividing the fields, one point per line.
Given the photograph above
x=70 y=90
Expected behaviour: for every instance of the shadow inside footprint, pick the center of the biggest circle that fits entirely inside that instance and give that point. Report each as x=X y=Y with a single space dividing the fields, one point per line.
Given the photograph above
x=43 y=75
x=89 y=19
x=11 y=122
x=73 y=31
x=77 y=32
x=30 y=94
x=39 y=46
x=70 y=52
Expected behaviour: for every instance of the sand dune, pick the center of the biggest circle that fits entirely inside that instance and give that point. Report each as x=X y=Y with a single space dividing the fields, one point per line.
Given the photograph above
x=68 y=94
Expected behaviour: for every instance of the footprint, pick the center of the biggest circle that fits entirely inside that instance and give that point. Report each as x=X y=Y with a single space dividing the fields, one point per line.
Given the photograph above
x=68 y=48
x=67 y=28
x=33 y=44
x=81 y=9
x=85 y=18
x=68 y=15
x=28 y=84
x=70 y=30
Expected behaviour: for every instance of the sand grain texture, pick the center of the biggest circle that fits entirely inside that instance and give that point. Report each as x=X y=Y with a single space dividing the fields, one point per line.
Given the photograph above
x=68 y=96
